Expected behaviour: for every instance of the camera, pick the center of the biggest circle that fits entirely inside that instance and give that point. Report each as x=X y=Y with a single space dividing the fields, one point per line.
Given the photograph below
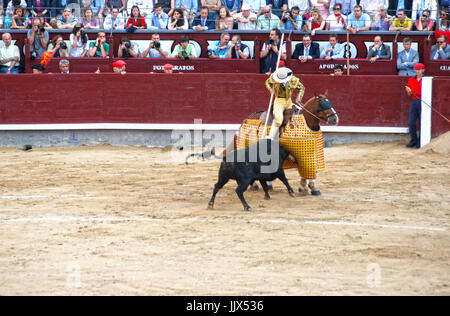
x=156 y=45
x=238 y=44
x=185 y=55
x=272 y=42
x=82 y=33
x=41 y=28
x=127 y=45
x=209 y=53
x=62 y=45
x=286 y=18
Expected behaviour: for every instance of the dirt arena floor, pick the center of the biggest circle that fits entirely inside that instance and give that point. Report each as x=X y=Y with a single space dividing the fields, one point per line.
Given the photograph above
x=127 y=221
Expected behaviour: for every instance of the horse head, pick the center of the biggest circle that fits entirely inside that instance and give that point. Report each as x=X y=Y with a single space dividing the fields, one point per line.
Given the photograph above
x=324 y=109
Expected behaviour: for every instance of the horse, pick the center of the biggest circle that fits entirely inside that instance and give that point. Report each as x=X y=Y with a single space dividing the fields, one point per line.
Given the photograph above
x=300 y=134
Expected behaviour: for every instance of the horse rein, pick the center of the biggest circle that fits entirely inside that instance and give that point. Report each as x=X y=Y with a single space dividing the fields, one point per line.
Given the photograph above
x=302 y=107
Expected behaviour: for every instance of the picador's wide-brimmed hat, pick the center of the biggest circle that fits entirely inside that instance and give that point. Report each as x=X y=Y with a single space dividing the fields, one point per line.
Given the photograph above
x=282 y=75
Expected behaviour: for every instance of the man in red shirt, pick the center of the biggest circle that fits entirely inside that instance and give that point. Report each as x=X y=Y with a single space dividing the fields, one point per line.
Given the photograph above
x=414 y=90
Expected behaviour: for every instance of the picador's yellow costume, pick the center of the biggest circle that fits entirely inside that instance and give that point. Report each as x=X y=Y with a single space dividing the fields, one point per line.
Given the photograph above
x=283 y=84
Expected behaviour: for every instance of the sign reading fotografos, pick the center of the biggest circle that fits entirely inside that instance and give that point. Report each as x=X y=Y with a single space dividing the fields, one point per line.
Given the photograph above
x=175 y=67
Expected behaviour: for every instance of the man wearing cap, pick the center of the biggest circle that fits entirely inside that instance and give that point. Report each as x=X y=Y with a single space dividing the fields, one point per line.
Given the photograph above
x=246 y=19
x=282 y=83
x=414 y=90
x=168 y=68
x=119 y=67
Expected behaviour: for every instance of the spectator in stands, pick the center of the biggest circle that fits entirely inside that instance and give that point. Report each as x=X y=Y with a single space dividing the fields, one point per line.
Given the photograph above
x=52 y=25
x=158 y=19
x=10 y=8
x=401 y=23
x=58 y=47
x=332 y=50
x=378 y=50
x=213 y=7
x=256 y=6
x=168 y=68
x=303 y=6
x=396 y=5
x=37 y=69
x=202 y=23
x=119 y=67
x=315 y=22
x=246 y=19
x=419 y=6
x=238 y=50
x=189 y=8
x=121 y=5
x=9 y=56
x=145 y=9
x=89 y=21
x=443 y=23
x=267 y=21
x=358 y=21
x=336 y=21
x=219 y=49
x=1 y=15
x=306 y=50
x=64 y=65
x=269 y=51
x=154 y=49
x=424 y=23
x=178 y=21
x=407 y=59
x=322 y=6
x=382 y=20
x=292 y=21
x=38 y=38
x=184 y=49
x=114 y=21
x=168 y=6
x=66 y=20
x=370 y=7
x=136 y=20
x=445 y=5
x=279 y=7
x=338 y=70
x=234 y=6
x=127 y=49
x=41 y=6
x=18 y=21
x=79 y=45
x=346 y=6
x=440 y=50
x=99 y=48
x=97 y=7
x=224 y=21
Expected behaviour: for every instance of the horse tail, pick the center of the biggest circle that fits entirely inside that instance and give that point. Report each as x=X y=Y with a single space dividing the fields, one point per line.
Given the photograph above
x=204 y=155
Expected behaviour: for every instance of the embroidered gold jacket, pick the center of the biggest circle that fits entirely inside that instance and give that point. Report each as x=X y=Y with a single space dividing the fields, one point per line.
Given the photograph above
x=286 y=93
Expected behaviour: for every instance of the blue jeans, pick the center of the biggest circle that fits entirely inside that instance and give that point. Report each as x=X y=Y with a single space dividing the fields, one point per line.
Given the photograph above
x=414 y=115
x=4 y=70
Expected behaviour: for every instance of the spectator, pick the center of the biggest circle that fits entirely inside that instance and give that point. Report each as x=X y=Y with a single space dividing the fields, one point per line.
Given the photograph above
x=168 y=68
x=315 y=22
x=336 y=21
x=184 y=49
x=401 y=23
x=358 y=21
x=213 y=7
x=89 y=21
x=440 y=50
x=322 y=6
x=238 y=50
x=37 y=69
x=407 y=59
x=127 y=49
x=97 y=7
x=371 y=7
x=66 y=20
x=168 y=6
x=41 y=6
x=64 y=65
x=279 y=7
x=419 y=6
x=189 y=8
x=256 y=6
x=346 y=6
x=154 y=49
x=270 y=49
x=119 y=67
x=267 y=21
x=219 y=49
x=136 y=20
x=121 y=5
x=425 y=23
x=414 y=90
x=18 y=21
x=38 y=38
x=303 y=5
x=224 y=21
x=246 y=19
x=145 y=9
x=445 y=5
x=99 y=48
x=201 y=22
x=1 y=15
x=178 y=21
x=396 y=5
x=378 y=50
x=306 y=50
x=338 y=70
x=10 y=9
x=159 y=19
x=79 y=45
x=442 y=24
x=292 y=21
x=58 y=47
x=382 y=20
x=114 y=21
x=9 y=56
x=333 y=50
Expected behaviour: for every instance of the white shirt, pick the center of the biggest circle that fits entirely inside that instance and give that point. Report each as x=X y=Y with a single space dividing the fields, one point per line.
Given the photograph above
x=246 y=26
x=145 y=6
x=8 y=52
x=119 y=22
x=334 y=26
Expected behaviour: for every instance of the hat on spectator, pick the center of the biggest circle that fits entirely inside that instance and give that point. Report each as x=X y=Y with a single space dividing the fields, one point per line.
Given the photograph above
x=119 y=64
x=282 y=75
x=245 y=7
x=419 y=66
x=38 y=67
x=168 y=66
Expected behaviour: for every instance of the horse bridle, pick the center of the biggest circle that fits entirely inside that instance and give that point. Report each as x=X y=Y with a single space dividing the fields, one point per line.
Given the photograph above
x=325 y=104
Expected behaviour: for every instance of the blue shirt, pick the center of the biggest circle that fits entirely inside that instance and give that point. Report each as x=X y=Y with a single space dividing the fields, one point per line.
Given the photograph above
x=221 y=53
x=363 y=21
x=289 y=26
x=338 y=51
x=95 y=5
x=187 y=4
x=159 y=23
x=347 y=6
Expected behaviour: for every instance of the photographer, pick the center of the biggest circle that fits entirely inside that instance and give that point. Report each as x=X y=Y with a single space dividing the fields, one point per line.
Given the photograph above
x=58 y=47
x=127 y=50
x=154 y=48
x=78 y=42
x=237 y=49
x=38 y=38
x=184 y=50
x=100 y=48
x=220 y=49
x=269 y=52
x=291 y=21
